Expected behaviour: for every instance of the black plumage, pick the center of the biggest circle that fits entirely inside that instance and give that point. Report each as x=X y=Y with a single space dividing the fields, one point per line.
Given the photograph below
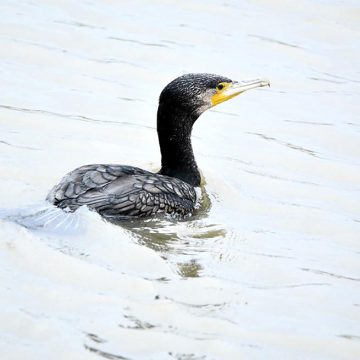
x=121 y=191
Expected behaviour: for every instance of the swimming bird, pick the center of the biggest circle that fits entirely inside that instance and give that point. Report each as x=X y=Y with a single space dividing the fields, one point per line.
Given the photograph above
x=126 y=192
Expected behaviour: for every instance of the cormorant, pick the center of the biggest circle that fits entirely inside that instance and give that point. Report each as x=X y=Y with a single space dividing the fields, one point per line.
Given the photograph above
x=125 y=192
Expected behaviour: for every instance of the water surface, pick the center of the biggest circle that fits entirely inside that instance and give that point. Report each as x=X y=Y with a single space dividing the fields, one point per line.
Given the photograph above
x=269 y=267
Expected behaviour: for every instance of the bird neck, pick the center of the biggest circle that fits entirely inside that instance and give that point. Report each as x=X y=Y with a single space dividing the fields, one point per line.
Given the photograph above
x=174 y=126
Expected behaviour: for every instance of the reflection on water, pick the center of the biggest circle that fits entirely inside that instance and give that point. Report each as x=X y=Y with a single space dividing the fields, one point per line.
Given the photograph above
x=268 y=265
x=172 y=238
x=190 y=269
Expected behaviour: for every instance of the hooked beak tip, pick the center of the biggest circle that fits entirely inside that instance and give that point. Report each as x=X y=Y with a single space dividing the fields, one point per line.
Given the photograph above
x=265 y=82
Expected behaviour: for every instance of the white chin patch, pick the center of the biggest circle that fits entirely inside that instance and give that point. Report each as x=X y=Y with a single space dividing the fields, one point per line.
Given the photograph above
x=205 y=99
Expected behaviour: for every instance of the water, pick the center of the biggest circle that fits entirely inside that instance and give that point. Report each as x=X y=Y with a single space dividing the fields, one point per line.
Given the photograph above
x=269 y=268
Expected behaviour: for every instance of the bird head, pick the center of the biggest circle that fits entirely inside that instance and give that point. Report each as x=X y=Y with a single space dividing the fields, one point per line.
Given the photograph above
x=197 y=93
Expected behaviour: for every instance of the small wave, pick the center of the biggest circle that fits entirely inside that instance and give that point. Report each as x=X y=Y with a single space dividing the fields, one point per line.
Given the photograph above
x=43 y=217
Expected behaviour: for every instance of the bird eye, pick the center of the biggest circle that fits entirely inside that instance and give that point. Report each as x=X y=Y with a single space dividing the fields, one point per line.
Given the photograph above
x=220 y=86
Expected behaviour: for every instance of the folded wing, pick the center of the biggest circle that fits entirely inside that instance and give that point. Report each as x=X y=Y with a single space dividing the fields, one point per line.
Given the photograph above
x=118 y=191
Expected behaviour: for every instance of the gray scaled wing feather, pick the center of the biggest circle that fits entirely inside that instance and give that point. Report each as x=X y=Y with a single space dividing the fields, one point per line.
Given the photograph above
x=120 y=191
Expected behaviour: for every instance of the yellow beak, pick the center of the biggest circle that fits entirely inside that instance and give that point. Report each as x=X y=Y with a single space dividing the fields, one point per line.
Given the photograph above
x=235 y=88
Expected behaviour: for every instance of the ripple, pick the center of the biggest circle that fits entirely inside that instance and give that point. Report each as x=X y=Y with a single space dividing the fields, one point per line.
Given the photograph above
x=275 y=41
x=327 y=80
x=79 y=24
x=137 y=42
x=95 y=338
x=18 y=146
x=309 y=123
x=341 y=77
x=287 y=144
x=105 y=354
x=287 y=286
x=350 y=337
x=281 y=178
x=73 y=116
x=326 y=273
x=136 y=323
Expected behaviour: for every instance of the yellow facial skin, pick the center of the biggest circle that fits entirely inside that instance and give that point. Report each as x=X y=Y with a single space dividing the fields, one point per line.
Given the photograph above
x=228 y=90
x=220 y=95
